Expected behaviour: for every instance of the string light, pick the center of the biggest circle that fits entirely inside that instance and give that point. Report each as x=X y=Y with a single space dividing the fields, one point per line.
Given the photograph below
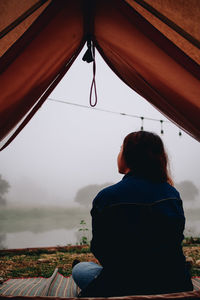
x=161 y=124
x=118 y=113
x=142 y=123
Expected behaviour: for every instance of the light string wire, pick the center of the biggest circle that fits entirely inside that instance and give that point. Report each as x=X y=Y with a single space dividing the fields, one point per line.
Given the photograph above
x=116 y=113
x=106 y=110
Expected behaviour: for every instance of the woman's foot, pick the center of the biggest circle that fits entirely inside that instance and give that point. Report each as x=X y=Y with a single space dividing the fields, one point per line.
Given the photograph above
x=75 y=262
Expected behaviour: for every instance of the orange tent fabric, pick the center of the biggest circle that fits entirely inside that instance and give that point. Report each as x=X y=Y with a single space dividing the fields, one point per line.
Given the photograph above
x=149 y=63
x=150 y=52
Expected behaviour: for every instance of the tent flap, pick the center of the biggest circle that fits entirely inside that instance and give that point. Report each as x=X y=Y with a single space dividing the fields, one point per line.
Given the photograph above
x=146 y=52
x=177 y=20
x=149 y=63
x=35 y=60
x=11 y=13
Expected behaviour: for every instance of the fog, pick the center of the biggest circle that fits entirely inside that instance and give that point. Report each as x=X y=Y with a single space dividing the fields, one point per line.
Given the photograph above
x=66 y=147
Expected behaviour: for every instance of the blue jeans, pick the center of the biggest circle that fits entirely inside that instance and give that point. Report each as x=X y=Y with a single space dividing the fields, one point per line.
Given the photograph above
x=84 y=272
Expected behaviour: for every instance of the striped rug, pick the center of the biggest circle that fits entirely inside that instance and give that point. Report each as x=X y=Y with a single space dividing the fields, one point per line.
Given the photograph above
x=57 y=285
x=196 y=283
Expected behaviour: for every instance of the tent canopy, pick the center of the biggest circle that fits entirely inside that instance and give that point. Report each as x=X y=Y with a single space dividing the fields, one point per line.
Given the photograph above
x=152 y=45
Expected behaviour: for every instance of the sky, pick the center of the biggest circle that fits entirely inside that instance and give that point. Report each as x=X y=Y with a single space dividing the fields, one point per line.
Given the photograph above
x=65 y=147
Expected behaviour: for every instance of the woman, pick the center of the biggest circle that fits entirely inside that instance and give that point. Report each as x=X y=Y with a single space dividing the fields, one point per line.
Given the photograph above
x=137 y=227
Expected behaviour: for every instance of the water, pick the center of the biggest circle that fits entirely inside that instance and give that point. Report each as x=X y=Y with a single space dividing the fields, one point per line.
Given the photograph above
x=60 y=237
x=46 y=227
x=25 y=227
x=192 y=228
x=28 y=239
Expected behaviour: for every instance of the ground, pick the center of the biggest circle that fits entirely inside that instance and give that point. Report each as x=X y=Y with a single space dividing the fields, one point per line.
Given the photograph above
x=42 y=262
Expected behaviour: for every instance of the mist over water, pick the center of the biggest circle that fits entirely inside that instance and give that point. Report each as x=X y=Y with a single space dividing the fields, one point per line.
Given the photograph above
x=51 y=238
x=46 y=223
x=26 y=226
x=33 y=224
x=43 y=226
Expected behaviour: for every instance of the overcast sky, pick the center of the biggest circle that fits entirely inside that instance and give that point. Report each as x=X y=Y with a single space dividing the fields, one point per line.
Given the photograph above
x=65 y=147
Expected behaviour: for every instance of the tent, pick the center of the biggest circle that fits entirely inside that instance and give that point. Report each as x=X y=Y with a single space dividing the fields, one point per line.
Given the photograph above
x=152 y=45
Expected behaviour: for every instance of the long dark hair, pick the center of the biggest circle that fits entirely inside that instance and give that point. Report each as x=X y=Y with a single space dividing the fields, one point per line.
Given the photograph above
x=145 y=156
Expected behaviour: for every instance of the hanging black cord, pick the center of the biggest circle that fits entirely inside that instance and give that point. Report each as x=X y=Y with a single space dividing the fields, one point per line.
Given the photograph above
x=88 y=56
x=93 y=85
x=25 y=15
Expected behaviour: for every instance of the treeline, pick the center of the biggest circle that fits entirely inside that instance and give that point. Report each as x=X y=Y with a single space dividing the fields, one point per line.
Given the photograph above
x=4 y=188
x=188 y=191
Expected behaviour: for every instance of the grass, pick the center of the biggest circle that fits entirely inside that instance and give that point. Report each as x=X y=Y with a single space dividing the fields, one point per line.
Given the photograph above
x=42 y=262
x=195 y=272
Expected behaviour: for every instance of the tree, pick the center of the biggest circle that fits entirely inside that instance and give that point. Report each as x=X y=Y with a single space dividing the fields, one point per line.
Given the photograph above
x=4 y=188
x=2 y=241
x=187 y=190
x=85 y=195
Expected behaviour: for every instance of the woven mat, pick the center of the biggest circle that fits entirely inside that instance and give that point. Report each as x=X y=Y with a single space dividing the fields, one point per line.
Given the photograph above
x=56 y=285
x=196 y=283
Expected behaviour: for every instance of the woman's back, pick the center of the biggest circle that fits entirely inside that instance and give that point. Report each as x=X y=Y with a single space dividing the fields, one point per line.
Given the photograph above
x=137 y=230
x=137 y=226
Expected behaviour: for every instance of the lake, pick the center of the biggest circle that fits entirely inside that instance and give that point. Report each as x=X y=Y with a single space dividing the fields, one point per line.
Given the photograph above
x=28 y=239
x=25 y=227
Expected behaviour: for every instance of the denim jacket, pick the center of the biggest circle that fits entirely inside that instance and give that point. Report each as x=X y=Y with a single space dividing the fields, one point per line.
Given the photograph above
x=137 y=231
